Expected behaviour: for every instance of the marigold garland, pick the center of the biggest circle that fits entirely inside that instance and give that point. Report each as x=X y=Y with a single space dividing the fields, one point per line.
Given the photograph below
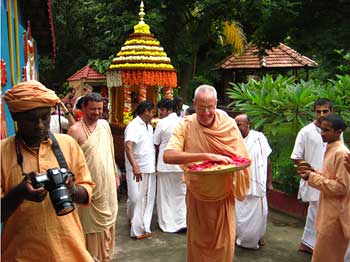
x=139 y=53
x=142 y=93
x=127 y=114
x=142 y=65
x=149 y=78
x=142 y=28
x=142 y=42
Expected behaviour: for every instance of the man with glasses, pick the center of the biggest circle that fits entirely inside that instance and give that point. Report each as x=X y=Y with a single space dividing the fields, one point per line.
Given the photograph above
x=309 y=147
x=209 y=134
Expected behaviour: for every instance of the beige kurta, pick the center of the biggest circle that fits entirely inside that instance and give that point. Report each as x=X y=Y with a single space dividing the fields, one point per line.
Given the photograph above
x=210 y=199
x=333 y=215
x=99 y=153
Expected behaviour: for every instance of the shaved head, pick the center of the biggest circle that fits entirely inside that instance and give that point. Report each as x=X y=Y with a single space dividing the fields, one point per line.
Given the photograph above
x=243 y=124
x=243 y=118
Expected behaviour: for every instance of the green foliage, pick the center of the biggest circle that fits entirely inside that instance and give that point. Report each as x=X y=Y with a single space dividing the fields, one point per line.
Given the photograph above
x=283 y=100
x=193 y=84
x=284 y=175
x=189 y=30
x=338 y=91
x=273 y=101
x=345 y=66
x=101 y=65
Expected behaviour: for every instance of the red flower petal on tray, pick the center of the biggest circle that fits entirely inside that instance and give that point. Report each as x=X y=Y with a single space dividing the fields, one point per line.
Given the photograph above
x=198 y=167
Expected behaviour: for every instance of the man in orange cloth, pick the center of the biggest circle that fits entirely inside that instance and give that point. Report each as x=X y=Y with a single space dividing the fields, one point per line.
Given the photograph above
x=209 y=134
x=333 y=214
x=31 y=229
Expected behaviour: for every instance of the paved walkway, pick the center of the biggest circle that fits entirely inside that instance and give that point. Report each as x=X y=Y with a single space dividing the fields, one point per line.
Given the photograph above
x=282 y=237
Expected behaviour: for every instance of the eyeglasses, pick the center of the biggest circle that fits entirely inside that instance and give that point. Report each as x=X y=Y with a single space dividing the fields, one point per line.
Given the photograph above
x=325 y=111
x=203 y=109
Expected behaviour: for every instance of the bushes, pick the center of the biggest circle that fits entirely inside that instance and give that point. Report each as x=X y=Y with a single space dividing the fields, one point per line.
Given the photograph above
x=280 y=107
x=285 y=177
x=284 y=100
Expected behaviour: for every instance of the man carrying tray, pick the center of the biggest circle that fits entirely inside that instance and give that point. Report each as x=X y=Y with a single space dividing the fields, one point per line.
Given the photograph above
x=209 y=134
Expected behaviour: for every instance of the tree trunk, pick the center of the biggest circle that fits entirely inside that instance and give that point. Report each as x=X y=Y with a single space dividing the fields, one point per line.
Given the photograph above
x=185 y=78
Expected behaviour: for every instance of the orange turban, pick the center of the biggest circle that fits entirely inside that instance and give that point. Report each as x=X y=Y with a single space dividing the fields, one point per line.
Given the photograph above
x=29 y=95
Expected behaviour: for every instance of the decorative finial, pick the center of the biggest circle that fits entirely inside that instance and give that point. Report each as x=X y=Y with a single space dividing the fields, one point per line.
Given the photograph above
x=141 y=13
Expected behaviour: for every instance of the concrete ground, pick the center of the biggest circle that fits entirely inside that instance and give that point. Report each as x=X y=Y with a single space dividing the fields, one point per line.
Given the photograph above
x=282 y=237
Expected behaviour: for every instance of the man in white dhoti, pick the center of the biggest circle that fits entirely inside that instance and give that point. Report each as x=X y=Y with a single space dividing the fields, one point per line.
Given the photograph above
x=95 y=139
x=140 y=171
x=309 y=147
x=171 y=190
x=251 y=213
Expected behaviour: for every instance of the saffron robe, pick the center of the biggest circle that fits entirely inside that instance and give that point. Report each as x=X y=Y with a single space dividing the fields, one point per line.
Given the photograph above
x=210 y=199
x=34 y=232
x=333 y=214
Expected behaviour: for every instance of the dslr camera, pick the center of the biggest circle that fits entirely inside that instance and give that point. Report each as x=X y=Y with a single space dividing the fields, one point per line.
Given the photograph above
x=54 y=182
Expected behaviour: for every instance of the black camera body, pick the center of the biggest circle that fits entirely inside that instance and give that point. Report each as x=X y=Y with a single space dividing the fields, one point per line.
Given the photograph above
x=54 y=182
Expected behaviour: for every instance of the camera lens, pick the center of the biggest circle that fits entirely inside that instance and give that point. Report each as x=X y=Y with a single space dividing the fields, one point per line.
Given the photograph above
x=61 y=200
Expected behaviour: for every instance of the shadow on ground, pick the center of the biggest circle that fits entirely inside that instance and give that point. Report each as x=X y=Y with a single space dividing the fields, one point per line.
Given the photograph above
x=282 y=238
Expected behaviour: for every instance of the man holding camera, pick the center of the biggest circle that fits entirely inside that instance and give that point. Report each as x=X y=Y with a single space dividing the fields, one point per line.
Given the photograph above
x=32 y=230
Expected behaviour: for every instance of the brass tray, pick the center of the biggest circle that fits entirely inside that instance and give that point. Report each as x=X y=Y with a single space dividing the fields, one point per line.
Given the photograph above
x=218 y=169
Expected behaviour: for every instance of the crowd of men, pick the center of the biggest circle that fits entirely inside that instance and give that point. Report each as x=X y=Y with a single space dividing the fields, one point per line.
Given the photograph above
x=217 y=210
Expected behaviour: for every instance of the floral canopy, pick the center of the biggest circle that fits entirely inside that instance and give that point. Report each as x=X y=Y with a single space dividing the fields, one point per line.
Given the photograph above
x=141 y=62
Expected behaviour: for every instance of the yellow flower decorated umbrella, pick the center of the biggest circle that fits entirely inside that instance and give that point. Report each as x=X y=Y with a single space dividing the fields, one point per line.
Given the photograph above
x=141 y=65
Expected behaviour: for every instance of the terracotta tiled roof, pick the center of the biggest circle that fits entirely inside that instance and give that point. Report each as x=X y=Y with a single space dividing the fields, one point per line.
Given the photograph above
x=87 y=73
x=281 y=56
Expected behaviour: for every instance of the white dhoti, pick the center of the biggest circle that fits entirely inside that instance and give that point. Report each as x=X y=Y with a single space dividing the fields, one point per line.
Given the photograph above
x=309 y=235
x=347 y=255
x=251 y=217
x=141 y=196
x=171 y=203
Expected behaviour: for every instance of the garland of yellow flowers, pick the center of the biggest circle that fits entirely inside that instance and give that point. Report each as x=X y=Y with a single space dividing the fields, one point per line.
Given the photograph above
x=141 y=62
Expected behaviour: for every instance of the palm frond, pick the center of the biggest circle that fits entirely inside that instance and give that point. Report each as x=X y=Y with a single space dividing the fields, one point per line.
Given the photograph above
x=234 y=36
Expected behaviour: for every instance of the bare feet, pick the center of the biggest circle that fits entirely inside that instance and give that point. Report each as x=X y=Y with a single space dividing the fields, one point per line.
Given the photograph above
x=145 y=235
x=262 y=242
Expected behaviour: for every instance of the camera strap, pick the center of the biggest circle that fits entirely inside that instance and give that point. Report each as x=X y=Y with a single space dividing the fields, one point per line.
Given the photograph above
x=58 y=152
x=56 y=149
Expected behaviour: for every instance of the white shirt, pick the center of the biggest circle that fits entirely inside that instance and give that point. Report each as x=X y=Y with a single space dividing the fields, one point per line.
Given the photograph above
x=162 y=135
x=259 y=150
x=55 y=126
x=183 y=110
x=310 y=147
x=142 y=135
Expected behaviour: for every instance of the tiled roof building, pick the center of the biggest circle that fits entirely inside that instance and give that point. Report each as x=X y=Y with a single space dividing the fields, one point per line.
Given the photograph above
x=87 y=73
x=252 y=64
x=88 y=76
x=281 y=56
